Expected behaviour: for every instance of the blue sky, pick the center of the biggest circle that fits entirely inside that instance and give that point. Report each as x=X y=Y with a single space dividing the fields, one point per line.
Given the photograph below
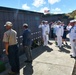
x=55 y=6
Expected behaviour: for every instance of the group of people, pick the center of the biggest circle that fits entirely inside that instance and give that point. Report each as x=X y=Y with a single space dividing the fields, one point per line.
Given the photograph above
x=57 y=31
x=12 y=49
x=11 y=43
x=60 y=31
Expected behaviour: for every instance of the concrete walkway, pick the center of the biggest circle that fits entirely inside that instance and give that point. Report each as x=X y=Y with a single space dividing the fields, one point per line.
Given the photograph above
x=48 y=60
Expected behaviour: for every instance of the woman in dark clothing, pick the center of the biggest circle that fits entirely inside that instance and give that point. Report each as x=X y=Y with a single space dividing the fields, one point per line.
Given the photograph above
x=64 y=35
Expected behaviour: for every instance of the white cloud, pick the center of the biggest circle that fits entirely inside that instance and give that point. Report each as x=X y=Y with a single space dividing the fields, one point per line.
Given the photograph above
x=25 y=6
x=42 y=9
x=53 y=1
x=70 y=10
x=38 y=3
x=57 y=11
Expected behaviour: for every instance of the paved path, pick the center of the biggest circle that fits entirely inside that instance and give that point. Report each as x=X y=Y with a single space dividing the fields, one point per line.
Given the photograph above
x=48 y=60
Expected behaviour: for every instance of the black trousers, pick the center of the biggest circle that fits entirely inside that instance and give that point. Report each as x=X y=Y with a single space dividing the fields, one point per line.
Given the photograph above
x=13 y=57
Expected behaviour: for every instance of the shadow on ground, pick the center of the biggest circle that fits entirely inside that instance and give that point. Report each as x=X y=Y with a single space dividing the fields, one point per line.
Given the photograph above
x=36 y=52
x=74 y=69
x=68 y=46
x=28 y=69
x=62 y=49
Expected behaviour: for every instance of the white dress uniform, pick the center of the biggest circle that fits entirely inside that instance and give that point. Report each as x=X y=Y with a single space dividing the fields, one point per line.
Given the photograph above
x=45 y=32
x=68 y=28
x=72 y=36
x=48 y=29
x=59 y=34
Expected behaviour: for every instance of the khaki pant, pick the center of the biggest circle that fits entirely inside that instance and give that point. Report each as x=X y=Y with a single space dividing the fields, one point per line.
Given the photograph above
x=28 y=53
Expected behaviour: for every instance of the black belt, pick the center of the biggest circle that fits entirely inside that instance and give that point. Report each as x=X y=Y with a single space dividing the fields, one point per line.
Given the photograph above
x=12 y=45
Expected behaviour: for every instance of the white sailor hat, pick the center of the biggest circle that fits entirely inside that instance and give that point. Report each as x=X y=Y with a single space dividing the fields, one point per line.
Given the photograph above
x=46 y=21
x=73 y=21
x=58 y=21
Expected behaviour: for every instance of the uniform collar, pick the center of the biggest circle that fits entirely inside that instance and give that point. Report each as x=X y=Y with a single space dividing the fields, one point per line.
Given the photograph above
x=45 y=25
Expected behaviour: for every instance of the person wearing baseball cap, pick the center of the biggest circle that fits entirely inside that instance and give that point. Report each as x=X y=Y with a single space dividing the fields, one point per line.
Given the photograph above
x=11 y=47
x=25 y=25
x=8 y=23
x=27 y=43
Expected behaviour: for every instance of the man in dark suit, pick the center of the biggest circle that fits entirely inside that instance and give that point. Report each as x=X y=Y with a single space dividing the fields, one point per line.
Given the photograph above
x=27 y=43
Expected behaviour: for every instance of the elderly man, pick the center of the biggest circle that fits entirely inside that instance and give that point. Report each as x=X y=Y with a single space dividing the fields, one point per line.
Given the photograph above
x=11 y=47
x=27 y=43
x=72 y=36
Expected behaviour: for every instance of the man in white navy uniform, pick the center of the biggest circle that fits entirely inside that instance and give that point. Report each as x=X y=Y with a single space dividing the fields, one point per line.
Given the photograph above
x=59 y=33
x=72 y=36
x=11 y=47
x=45 y=32
x=48 y=28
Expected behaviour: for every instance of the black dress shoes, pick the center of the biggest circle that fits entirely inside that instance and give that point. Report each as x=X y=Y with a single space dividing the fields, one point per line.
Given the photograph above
x=73 y=56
